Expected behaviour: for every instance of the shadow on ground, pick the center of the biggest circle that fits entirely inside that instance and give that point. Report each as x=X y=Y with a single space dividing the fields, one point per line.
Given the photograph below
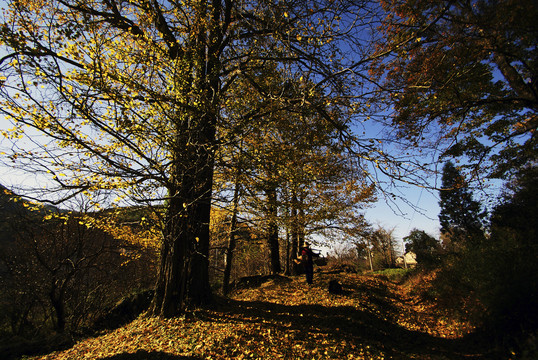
x=149 y=355
x=346 y=324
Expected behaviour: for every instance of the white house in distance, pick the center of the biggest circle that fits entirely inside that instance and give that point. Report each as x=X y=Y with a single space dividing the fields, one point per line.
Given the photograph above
x=407 y=260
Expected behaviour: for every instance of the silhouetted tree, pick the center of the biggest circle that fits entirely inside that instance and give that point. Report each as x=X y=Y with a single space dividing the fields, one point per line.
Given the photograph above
x=507 y=282
x=460 y=216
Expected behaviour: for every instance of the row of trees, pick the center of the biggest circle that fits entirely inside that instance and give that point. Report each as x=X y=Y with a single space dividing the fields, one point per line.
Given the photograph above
x=256 y=107
x=172 y=105
x=485 y=258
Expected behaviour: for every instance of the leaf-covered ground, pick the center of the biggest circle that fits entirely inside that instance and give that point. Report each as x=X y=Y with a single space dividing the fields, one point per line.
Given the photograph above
x=285 y=318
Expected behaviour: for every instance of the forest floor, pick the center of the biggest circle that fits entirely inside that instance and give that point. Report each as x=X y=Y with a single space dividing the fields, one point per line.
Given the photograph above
x=284 y=318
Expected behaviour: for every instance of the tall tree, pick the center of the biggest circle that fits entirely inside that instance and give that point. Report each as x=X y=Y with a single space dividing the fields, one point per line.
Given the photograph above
x=460 y=216
x=295 y=162
x=463 y=77
x=132 y=95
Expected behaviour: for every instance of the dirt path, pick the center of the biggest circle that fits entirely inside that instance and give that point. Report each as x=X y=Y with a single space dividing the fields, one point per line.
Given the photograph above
x=373 y=318
x=284 y=318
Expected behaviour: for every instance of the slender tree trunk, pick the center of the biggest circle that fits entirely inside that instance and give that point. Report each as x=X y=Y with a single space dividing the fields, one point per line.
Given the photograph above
x=370 y=259
x=287 y=271
x=301 y=226
x=294 y=234
x=57 y=302
x=272 y=228
x=232 y=238
x=57 y=299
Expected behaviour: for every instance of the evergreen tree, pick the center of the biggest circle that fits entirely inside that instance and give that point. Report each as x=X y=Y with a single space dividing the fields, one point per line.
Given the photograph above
x=460 y=216
x=520 y=205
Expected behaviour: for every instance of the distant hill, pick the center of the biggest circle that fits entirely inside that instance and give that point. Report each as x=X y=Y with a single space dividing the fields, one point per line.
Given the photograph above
x=15 y=212
x=10 y=212
x=7 y=203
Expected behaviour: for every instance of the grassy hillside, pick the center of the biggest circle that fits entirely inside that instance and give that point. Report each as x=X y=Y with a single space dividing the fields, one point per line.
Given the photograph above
x=283 y=318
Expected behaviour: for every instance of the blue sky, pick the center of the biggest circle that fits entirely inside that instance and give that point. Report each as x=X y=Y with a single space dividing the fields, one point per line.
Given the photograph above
x=403 y=218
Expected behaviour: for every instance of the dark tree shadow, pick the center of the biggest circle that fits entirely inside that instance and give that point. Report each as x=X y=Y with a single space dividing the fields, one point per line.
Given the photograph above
x=346 y=323
x=149 y=355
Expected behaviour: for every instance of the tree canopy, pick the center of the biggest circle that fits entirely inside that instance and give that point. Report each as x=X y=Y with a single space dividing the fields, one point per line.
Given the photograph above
x=463 y=76
x=135 y=99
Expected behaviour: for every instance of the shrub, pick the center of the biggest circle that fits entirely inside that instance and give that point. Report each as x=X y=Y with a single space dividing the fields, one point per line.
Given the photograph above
x=395 y=274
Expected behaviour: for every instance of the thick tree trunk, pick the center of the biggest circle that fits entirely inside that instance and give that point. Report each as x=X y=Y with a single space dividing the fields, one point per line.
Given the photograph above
x=183 y=279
